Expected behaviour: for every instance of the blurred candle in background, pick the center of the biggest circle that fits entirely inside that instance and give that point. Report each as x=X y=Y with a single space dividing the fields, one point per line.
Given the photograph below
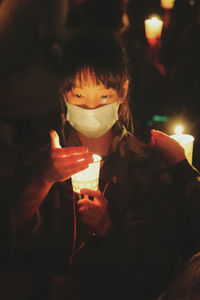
x=167 y=4
x=185 y=140
x=153 y=29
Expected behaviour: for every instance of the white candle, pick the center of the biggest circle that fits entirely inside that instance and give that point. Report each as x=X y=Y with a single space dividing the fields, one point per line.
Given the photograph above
x=153 y=28
x=88 y=178
x=167 y=4
x=186 y=141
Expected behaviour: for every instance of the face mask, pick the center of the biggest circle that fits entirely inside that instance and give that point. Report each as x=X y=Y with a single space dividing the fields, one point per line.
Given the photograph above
x=92 y=123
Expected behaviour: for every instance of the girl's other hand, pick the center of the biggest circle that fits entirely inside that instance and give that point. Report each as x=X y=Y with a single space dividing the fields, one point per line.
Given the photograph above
x=94 y=213
x=172 y=151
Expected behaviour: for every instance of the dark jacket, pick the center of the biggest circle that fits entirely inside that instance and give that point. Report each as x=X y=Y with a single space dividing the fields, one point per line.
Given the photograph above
x=155 y=226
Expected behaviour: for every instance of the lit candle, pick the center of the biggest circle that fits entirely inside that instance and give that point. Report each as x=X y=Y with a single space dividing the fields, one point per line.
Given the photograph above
x=185 y=140
x=167 y=4
x=153 y=28
x=88 y=178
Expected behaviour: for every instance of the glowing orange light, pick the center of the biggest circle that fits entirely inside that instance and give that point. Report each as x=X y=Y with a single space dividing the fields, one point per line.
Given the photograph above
x=167 y=4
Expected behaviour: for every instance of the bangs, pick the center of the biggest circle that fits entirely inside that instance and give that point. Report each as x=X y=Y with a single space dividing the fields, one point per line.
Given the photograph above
x=99 y=78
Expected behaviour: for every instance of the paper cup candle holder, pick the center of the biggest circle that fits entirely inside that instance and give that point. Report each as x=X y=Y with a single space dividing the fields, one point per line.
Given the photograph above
x=88 y=178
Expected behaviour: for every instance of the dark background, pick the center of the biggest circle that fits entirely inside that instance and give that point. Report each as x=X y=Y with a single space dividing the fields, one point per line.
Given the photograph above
x=165 y=81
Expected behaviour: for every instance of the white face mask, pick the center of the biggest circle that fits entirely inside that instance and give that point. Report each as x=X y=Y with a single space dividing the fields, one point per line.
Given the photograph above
x=92 y=123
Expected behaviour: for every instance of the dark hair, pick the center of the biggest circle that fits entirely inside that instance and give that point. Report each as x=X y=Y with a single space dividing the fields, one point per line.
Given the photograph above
x=104 y=56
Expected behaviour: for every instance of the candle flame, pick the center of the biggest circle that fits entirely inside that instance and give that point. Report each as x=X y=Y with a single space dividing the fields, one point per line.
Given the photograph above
x=155 y=20
x=178 y=129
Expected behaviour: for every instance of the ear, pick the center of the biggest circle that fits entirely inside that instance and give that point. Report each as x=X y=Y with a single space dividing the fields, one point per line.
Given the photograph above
x=125 y=91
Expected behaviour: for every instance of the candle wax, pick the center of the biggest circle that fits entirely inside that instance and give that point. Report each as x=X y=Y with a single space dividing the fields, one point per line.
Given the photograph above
x=186 y=141
x=88 y=178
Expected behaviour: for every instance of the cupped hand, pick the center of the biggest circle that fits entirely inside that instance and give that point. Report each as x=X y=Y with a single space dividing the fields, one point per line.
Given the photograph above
x=64 y=162
x=94 y=213
x=172 y=151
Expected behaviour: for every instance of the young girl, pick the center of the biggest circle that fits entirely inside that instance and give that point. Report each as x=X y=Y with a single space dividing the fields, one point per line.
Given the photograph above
x=123 y=243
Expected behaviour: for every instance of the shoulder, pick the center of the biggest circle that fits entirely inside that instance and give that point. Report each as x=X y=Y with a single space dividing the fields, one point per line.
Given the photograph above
x=146 y=162
x=143 y=162
x=142 y=152
x=128 y=146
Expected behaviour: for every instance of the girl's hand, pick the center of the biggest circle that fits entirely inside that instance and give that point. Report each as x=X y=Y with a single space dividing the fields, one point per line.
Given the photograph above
x=64 y=162
x=173 y=152
x=94 y=213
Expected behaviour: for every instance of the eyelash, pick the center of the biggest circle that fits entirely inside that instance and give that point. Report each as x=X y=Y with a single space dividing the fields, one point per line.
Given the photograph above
x=78 y=96
x=104 y=98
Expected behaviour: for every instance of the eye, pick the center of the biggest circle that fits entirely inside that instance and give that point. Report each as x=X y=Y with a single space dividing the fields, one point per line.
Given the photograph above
x=104 y=96
x=78 y=95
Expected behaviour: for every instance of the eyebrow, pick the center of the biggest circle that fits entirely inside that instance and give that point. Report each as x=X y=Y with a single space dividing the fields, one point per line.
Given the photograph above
x=105 y=89
x=99 y=89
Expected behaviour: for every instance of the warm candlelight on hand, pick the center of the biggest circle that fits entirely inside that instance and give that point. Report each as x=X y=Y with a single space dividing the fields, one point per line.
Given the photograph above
x=185 y=140
x=88 y=178
x=153 y=28
x=167 y=4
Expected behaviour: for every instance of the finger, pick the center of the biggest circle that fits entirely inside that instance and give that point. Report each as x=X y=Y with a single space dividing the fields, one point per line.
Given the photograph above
x=76 y=169
x=85 y=197
x=84 y=202
x=74 y=158
x=73 y=150
x=98 y=196
x=158 y=133
x=155 y=132
x=71 y=163
x=90 y=192
x=85 y=157
x=152 y=140
x=83 y=210
x=158 y=137
x=71 y=167
x=55 y=141
x=155 y=137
